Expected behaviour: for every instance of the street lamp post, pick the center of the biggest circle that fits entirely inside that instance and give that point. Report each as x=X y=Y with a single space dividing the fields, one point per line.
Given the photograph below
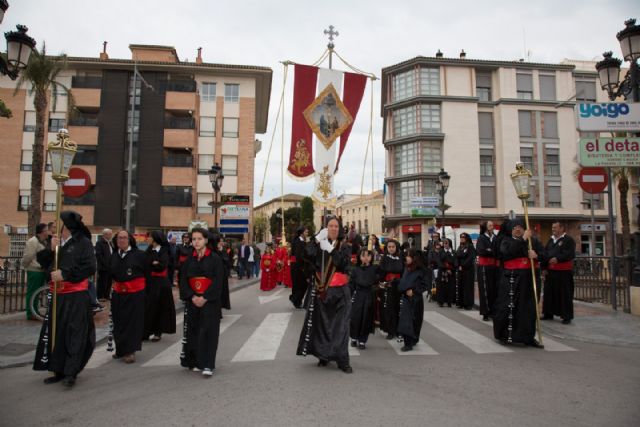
x=629 y=88
x=61 y=153
x=216 y=177
x=521 y=180
x=19 y=47
x=442 y=185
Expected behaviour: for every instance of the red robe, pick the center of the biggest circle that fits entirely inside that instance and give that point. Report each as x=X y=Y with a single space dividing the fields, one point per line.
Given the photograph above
x=268 y=277
x=281 y=261
x=287 y=272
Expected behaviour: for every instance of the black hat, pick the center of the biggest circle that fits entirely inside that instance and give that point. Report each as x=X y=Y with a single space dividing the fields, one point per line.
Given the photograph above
x=518 y=221
x=159 y=238
x=72 y=220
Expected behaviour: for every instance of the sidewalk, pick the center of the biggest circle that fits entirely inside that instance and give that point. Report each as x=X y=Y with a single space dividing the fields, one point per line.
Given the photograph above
x=18 y=336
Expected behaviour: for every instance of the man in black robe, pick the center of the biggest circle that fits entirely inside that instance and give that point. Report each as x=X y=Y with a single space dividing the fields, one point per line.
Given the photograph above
x=66 y=350
x=487 y=280
x=298 y=276
x=558 y=286
x=515 y=318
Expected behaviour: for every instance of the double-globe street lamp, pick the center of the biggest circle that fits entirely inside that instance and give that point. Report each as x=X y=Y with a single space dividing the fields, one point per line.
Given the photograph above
x=19 y=47
x=442 y=185
x=629 y=88
x=216 y=177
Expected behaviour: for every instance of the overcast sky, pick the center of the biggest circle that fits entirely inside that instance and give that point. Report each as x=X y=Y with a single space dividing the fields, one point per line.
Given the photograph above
x=373 y=34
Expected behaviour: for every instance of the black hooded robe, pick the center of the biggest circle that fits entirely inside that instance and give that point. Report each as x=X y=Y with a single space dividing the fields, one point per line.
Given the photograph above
x=558 y=286
x=446 y=284
x=362 y=284
x=466 y=260
x=389 y=296
x=160 y=310
x=487 y=286
x=411 y=307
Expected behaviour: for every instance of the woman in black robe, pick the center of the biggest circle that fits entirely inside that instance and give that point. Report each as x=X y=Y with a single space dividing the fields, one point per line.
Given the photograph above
x=217 y=246
x=389 y=271
x=487 y=286
x=362 y=281
x=201 y=284
x=127 y=268
x=465 y=261
x=445 y=288
x=75 y=335
x=325 y=333
x=160 y=310
x=411 y=286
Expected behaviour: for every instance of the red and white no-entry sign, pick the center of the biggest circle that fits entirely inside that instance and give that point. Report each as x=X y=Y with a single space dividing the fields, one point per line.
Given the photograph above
x=78 y=183
x=593 y=180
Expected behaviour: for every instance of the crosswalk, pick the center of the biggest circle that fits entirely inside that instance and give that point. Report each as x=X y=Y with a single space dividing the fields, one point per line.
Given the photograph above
x=268 y=338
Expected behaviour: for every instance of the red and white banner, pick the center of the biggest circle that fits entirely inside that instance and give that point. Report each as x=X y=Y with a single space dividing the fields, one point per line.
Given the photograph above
x=325 y=105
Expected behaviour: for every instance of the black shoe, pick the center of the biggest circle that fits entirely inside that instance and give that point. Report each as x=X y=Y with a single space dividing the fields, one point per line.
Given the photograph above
x=54 y=379
x=566 y=321
x=69 y=381
x=485 y=318
x=534 y=343
x=354 y=343
x=406 y=348
x=389 y=337
x=347 y=369
x=323 y=363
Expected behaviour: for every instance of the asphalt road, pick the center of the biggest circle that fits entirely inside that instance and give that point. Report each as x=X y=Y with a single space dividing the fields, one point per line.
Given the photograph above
x=457 y=376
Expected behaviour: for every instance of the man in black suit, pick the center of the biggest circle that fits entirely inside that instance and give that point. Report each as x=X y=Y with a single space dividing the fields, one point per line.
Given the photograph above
x=104 y=249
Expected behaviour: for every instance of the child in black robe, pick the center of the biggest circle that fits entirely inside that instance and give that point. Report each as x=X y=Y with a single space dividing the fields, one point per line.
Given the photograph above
x=363 y=279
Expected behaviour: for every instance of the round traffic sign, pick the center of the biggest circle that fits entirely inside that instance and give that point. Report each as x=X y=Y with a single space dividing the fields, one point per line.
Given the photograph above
x=78 y=183
x=593 y=180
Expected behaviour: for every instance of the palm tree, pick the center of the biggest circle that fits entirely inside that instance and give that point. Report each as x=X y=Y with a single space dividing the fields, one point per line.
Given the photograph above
x=622 y=175
x=41 y=72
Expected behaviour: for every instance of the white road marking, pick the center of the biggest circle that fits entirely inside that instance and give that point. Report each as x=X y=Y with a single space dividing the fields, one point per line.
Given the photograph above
x=274 y=296
x=263 y=344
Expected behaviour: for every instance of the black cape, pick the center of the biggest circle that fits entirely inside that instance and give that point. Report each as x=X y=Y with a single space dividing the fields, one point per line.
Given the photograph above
x=362 y=283
x=160 y=310
x=411 y=307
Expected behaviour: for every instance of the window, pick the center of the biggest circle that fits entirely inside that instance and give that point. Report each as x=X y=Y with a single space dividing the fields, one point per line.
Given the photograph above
x=406 y=159
x=207 y=126
x=24 y=200
x=359 y=226
x=552 y=165
x=86 y=155
x=553 y=197
x=49 y=204
x=404 y=121
x=485 y=128
x=525 y=122
x=585 y=244
x=205 y=161
x=486 y=162
x=429 y=81
x=27 y=159
x=549 y=125
x=483 y=86
x=430 y=118
x=176 y=196
x=431 y=156
x=403 y=85
x=366 y=226
x=230 y=165
x=404 y=191
x=429 y=187
x=524 y=84
x=203 y=203
x=230 y=128
x=532 y=202
x=177 y=158
x=547 y=87
x=526 y=157
x=56 y=124
x=231 y=92
x=29 y=121
x=488 y=196
x=597 y=200
x=586 y=90
x=208 y=92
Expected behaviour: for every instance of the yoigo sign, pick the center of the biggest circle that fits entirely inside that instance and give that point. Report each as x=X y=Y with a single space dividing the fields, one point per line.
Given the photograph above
x=608 y=117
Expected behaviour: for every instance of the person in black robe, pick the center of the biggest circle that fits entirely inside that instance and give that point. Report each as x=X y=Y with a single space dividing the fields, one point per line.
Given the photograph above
x=432 y=264
x=465 y=261
x=183 y=251
x=558 y=286
x=68 y=352
x=160 y=310
x=487 y=287
x=445 y=286
x=217 y=245
x=201 y=284
x=298 y=276
x=127 y=268
x=362 y=281
x=389 y=271
x=325 y=332
x=515 y=318
x=411 y=286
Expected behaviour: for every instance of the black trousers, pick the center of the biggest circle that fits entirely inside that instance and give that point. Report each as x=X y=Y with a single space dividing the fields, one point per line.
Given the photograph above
x=104 y=285
x=299 y=286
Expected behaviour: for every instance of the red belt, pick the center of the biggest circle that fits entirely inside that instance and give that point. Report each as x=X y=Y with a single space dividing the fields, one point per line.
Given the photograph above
x=130 y=286
x=200 y=284
x=519 y=264
x=182 y=258
x=562 y=266
x=486 y=261
x=163 y=273
x=338 y=279
x=68 y=287
x=390 y=276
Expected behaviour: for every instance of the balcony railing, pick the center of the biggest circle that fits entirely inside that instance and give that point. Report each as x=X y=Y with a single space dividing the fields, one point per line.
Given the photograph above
x=86 y=82
x=83 y=121
x=180 y=123
x=180 y=85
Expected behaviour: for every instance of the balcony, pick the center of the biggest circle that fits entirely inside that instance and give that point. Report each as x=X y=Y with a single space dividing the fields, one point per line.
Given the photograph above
x=180 y=123
x=83 y=134
x=83 y=120
x=180 y=85
x=86 y=98
x=180 y=101
x=86 y=82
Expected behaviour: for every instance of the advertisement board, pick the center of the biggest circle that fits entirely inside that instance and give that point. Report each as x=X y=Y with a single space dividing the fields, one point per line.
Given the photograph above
x=608 y=116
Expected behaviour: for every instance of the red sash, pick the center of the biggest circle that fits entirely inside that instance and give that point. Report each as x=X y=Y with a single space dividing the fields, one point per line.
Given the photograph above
x=182 y=258
x=390 y=276
x=200 y=284
x=519 y=264
x=338 y=279
x=562 y=266
x=68 y=287
x=163 y=273
x=486 y=261
x=130 y=286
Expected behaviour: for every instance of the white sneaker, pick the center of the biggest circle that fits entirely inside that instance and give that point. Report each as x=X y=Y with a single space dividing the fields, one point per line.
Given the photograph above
x=207 y=372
